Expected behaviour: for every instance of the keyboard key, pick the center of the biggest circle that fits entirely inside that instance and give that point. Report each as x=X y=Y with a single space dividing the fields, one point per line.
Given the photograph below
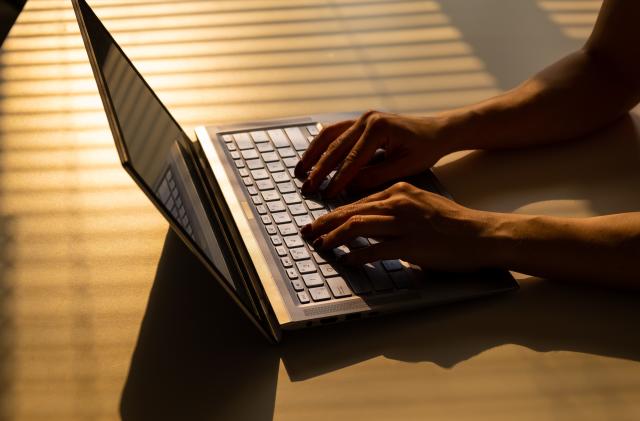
x=286 y=187
x=264 y=147
x=286 y=262
x=256 y=199
x=271 y=229
x=243 y=172
x=297 y=284
x=318 y=213
x=275 y=206
x=340 y=251
x=328 y=271
x=291 y=198
x=276 y=240
x=287 y=229
x=303 y=220
x=235 y=155
x=255 y=164
x=249 y=154
x=358 y=243
x=303 y=297
x=312 y=280
x=275 y=166
x=243 y=141
x=261 y=209
x=259 y=174
x=313 y=204
x=338 y=287
x=247 y=181
x=292 y=172
x=293 y=241
x=378 y=276
x=270 y=157
x=252 y=190
x=264 y=184
x=300 y=253
x=227 y=138
x=280 y=177
x=305 y=266
x=319 y=294
x=286 y=152
x=231 y=147
x=289 y=162
x=291 y=273
x=401 y=279
x=270 y=195
x=281 y=217
x=266 y=219
x=392 y=265
x=261 y=136
x=239 y=163
x=278 y=137
x=281 y=250
x=297 y=209
x=298 y=140
x=313 y=129
x=359 y=283
x=318 y=258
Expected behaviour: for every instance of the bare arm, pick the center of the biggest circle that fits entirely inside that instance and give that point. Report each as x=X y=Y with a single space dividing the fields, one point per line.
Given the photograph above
x=601 y=250
x=579 y=94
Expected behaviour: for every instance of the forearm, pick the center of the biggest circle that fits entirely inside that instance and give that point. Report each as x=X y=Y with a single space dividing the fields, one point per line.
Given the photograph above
x=577 y=95
x=603 y=250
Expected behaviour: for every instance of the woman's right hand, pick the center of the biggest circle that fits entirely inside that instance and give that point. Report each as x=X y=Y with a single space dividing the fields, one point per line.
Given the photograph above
x=410 y=144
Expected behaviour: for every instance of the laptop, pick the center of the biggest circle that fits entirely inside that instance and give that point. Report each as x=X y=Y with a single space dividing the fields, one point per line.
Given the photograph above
x=233 y=199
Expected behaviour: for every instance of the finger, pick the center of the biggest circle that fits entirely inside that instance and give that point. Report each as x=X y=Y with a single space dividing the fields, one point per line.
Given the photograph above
x=372 y=176
x=333 y=219
x=358 y=226
x=385 y=250
x=361 y=153
x=319 y=145
x=334 y=154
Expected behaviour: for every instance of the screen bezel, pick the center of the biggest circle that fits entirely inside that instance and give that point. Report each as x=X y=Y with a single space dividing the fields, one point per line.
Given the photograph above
x=270 y=331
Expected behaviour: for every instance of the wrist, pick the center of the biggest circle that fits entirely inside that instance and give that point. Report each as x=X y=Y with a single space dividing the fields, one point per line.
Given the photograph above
x=454 y=130
x=500 y=236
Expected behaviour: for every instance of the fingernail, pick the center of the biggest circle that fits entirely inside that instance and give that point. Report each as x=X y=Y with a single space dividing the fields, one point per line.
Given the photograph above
x=306 y=230
x=317 y=243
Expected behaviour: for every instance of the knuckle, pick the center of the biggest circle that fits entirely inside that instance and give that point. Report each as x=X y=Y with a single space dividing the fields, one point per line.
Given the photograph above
x=376 y=121
x=353 y=222
x=368 y=114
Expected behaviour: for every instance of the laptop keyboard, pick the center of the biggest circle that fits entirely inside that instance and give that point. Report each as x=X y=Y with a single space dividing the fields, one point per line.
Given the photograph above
x=170 y=196
x=265 y=160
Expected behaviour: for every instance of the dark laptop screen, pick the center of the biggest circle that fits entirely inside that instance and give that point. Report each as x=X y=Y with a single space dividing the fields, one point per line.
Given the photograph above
x=154 y=143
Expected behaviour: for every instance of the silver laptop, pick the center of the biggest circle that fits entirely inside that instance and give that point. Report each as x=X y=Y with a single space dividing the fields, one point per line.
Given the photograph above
x=232 y=198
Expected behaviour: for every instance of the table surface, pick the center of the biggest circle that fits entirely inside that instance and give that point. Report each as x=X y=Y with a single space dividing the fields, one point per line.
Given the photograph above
x=105 y=314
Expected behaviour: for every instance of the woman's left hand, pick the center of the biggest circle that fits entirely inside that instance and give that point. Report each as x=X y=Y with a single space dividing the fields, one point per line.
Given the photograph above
x=411 y=224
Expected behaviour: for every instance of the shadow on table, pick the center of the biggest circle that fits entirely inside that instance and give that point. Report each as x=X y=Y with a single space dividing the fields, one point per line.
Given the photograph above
x=197 y=357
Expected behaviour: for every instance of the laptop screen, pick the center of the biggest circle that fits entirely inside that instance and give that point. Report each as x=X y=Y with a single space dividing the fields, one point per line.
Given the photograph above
x=155 y=146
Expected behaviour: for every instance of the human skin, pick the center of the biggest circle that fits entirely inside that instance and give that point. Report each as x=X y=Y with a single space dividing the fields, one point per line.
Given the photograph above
x=583 y=92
